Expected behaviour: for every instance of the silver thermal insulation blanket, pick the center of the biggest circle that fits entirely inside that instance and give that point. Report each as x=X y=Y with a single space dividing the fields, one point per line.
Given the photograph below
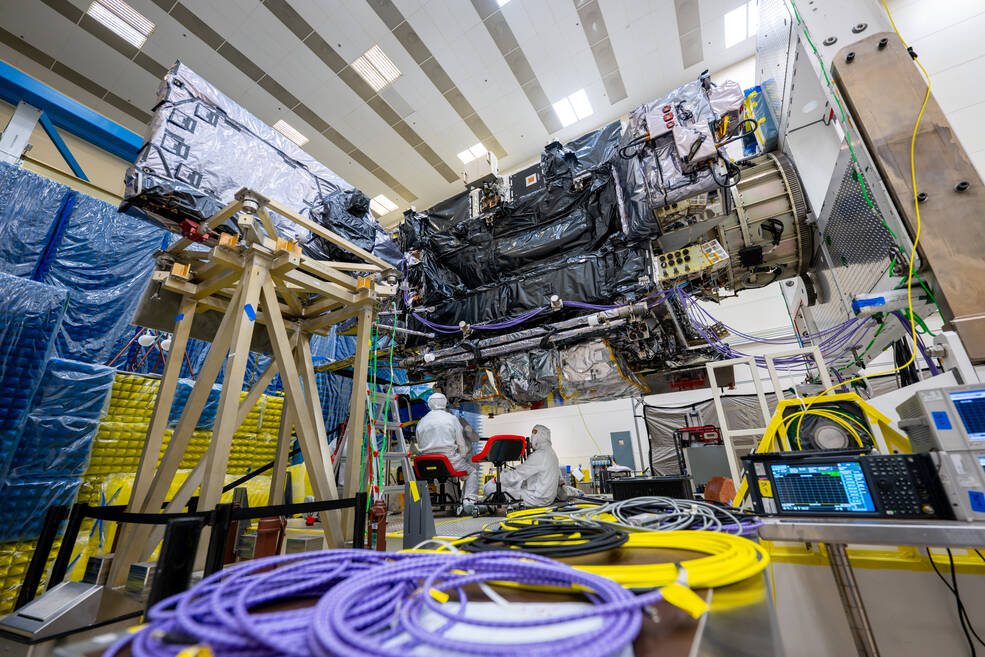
x=202 y=148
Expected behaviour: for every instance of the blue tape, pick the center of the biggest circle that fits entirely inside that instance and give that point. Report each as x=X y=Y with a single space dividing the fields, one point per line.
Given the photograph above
x=252 y=314
x=180 y=317
x=858 y=304
x=977 y=499
x=942 y=420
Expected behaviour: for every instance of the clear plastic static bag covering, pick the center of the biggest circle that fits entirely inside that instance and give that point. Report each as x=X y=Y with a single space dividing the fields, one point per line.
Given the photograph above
x=202 y=148
x=528 y=376
x=63 y=420
x=589 y=371
x=658 y=178
x=29 y=206
x=106 y=279
x=30 y=314
x=24 y=503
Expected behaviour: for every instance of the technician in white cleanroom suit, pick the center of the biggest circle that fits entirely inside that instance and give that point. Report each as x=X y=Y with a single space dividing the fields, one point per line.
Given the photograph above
x=535 y=481
x=440 y=432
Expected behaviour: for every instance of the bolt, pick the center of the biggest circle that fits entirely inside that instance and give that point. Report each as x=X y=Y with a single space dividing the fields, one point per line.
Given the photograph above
x=850 y=57
x=859 y=27
x=831 y=40
x=883 y=42
x=961 y=186
x=921 y=197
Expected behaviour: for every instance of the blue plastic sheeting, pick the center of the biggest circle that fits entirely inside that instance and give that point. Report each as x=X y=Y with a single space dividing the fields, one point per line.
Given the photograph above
x=181 y=393
x=104 y=259
x=30 y=314
x=29 y=207
x=333 y=392
x=24 y=503
x=63 y=420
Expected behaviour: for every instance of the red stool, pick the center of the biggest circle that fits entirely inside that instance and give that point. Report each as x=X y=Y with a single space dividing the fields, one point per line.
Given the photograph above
x=498 y=451
x=437 y=468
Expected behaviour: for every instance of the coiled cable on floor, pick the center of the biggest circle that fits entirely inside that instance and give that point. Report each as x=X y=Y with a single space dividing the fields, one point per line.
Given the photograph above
x=404 y=608
x=557 y=539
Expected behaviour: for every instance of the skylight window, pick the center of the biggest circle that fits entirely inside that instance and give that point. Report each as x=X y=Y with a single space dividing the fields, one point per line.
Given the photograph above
x=376 y=68
x=381 y=205
x=573 y=108
x=123 y=20
x=472 y=153
x=741 y=23
x=286 y=129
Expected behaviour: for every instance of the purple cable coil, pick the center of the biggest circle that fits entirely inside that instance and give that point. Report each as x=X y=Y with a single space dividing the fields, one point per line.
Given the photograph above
x=366 y=600
x=364 y=616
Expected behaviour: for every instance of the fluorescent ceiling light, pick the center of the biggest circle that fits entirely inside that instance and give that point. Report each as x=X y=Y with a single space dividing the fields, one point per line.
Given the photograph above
x=502 y=2
x=381 y=205
x=741 y=23
x=472 y=153
x=573 y=108
x=290 y=132
x=123 y=20
x=376 y=68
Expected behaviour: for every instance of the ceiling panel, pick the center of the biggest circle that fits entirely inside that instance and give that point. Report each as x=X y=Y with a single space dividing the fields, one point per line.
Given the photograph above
x=643 y=36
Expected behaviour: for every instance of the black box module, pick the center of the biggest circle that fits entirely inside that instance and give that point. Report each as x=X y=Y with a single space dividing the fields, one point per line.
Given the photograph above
x=629 y=487
x=846 y=483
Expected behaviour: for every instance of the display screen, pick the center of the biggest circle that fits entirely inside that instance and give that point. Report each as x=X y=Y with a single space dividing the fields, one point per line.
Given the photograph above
x=971 y=407
x=981 y=460
x=834 y=487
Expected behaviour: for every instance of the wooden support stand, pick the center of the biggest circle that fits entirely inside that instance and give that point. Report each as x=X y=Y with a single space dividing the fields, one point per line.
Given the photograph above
x=259 y=279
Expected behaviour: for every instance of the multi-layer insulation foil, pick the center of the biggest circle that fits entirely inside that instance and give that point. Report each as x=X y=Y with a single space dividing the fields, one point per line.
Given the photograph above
x=202 y=148
x=563 y=240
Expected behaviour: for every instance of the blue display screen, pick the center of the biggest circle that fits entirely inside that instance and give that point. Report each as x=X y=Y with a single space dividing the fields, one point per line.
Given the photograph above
x=971 y=408
x=981 y=460
x=836 y=487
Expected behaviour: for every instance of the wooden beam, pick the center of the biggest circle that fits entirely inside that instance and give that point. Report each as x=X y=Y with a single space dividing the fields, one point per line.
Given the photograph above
x=278 y=477
x=309 y=438
x=348 y=266
x=328 y=235
x=268 y=225
x=210 y=286
x=289 y=295
x=215 y=220
x=324 y=321
x=241 y=334
x=357 y=409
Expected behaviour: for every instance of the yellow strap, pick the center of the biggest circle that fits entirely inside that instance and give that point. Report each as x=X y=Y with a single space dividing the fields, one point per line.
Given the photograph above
x=414 y=495
x=684 y=598
x=198 y=650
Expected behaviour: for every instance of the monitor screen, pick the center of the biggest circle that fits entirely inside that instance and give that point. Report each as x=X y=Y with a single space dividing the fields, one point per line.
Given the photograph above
x=970 y=405
x=981 y=460
x=835 y=487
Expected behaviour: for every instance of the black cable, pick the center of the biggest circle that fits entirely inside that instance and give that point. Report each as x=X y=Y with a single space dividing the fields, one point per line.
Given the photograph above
x=962 y=612
x=741 y=135
x=547 y=538
x=635 y=142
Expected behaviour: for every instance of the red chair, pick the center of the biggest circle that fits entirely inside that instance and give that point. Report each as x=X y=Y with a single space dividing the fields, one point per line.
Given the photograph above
x=437 y=468
x=498 y=451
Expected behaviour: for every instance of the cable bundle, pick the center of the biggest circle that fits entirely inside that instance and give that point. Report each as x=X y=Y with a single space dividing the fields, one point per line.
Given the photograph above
x=547 y=538
x=373 y=604
x=381 y=613
x=653 y=513
x=217 y=610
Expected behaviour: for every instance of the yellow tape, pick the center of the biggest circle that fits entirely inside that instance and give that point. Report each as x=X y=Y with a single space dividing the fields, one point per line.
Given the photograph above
x=440 y=596
x=198 y=650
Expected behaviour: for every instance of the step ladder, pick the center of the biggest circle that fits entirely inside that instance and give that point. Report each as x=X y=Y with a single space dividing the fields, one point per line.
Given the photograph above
x=385 y=421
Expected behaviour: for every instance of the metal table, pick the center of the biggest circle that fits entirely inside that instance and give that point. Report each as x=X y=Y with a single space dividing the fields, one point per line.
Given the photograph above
x=835 y=534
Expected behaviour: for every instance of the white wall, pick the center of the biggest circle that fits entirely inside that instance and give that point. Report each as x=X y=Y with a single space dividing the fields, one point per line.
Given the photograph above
x=948 y=39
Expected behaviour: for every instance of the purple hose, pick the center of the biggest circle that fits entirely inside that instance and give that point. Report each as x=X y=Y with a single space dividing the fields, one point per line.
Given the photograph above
x=934 y=371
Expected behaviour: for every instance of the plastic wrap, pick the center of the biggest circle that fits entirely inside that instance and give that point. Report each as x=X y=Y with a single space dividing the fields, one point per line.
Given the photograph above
x=104 y=259
x=181 y=392
x=346 y=213
x=29 y=209
x=24 y=502
x=63 y=420
x=528 y=376
x=202 y=148
x=30 y=314
x=592 y=372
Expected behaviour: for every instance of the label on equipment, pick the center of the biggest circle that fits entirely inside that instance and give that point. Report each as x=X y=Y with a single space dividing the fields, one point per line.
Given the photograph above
x=768 y=505
x=765 y=488
x=760 y=469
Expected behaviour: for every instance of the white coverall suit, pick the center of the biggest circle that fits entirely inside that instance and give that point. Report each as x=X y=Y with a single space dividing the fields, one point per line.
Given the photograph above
x=440 y=432
x=535 y=481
